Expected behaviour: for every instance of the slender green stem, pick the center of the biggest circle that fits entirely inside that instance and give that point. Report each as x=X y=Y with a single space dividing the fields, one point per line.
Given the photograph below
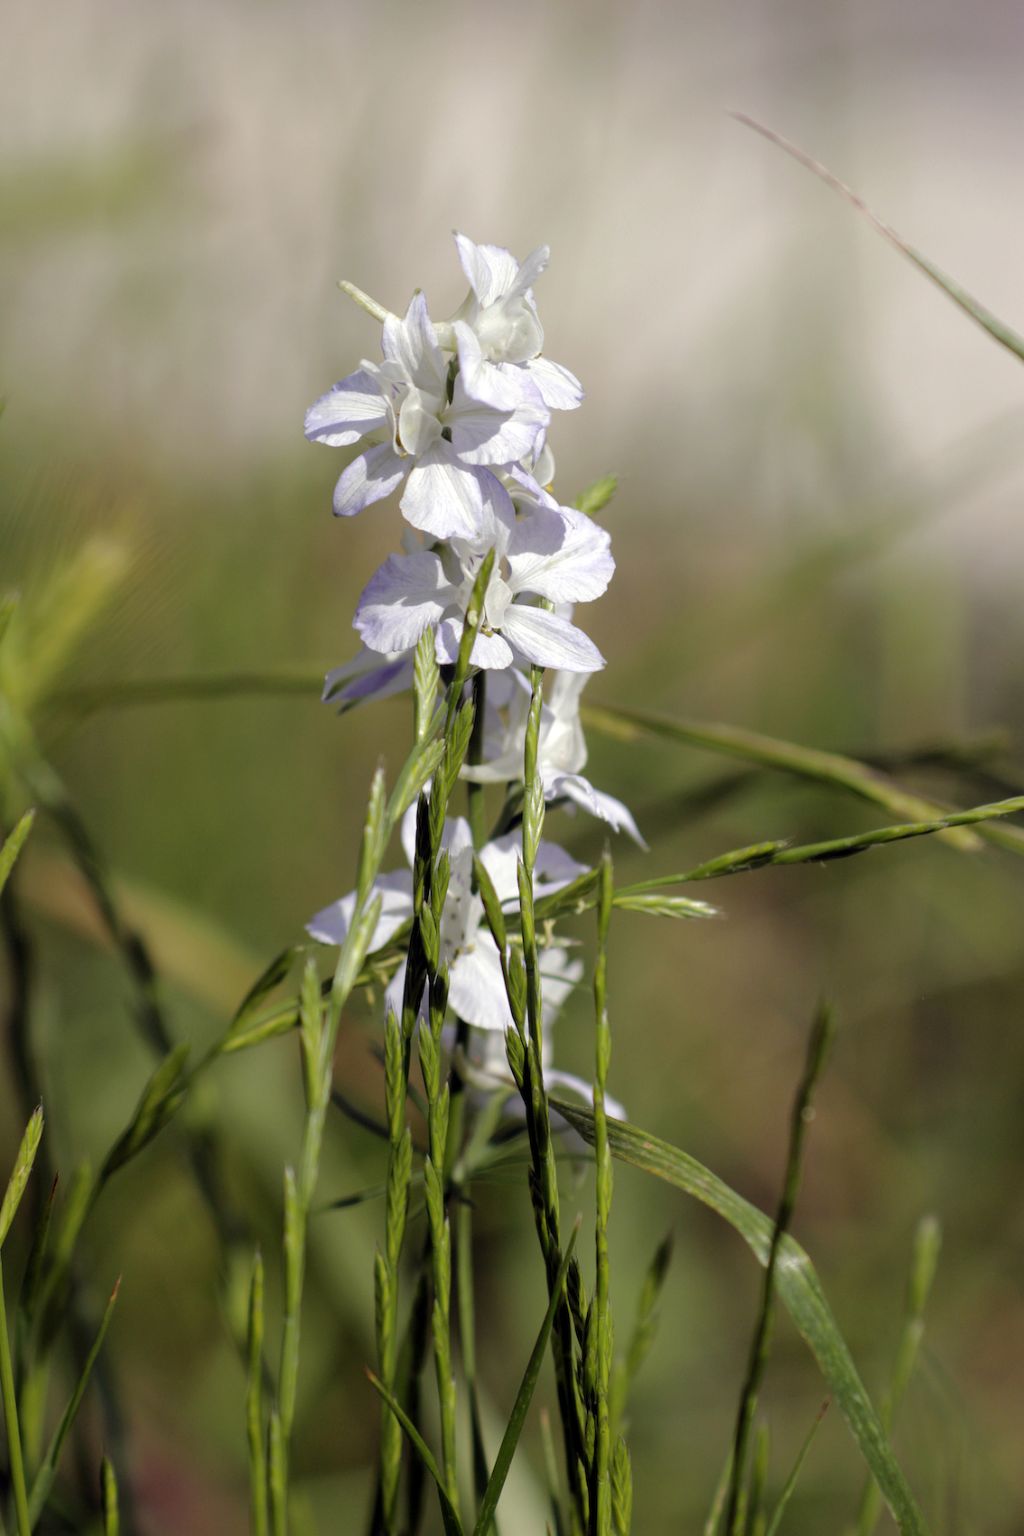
x=820 y=1038
x=600 y=1488
x=10 y=1402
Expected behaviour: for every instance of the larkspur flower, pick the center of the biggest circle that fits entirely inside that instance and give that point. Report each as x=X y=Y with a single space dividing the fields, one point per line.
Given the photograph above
x=555 y=554
x=476 y=986
x=422 y=427
x=498 y=333
x=368 y=675
x=562 y=749
x=483 y=1064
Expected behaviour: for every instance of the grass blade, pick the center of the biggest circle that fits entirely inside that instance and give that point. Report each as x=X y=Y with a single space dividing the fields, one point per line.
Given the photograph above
x=449 y=1514
x=797 y=1468
x=797 y=1286
x=972 y=307
x=13 y=846
x=108 y=1499
x=844 y=773
x=517 y=1418
x=16 y=1468
x=48 y=1470
x=821 y=1035
x=21 y=1171
x=254 y=1402
x=922 y=1272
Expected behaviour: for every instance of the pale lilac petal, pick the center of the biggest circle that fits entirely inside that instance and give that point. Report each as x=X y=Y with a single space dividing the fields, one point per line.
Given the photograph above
x=443 y=496
x=351 y=410
x=559 y=389
x=573 y=786
x=489 y=651
x=403 y=596
x=561 y=555
x=412 y=344
x=476 y=988
x=483 y=435
x=503 y=386
x=550 y=641
x=370 y=477
x=368 y=675
x=490 y=270
x=553 y=868
x=331 y=925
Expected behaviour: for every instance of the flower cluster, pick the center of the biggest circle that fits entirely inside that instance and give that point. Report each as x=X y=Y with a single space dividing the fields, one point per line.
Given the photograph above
x=455 y=418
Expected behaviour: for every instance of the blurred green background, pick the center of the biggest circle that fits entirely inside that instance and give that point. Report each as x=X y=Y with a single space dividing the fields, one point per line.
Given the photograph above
x=817 y=534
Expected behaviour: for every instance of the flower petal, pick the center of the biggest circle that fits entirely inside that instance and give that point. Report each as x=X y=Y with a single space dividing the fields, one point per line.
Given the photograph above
x=489 y=651
x=444 y=497
x=502 y=386
x=562 y=555
x=412 y=344
x=490 y=270
x=370 y=477
x=573 y=786
x=550 y=641
x=331 y=925
x=559 y=389
x=403 y=596
x=476 y=989
x=368 y=675
x=483 y=435
x=351 y=410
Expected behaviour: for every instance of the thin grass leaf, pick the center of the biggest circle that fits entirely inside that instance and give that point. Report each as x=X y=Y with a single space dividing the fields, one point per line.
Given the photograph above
x=797 y=1286
x=1004 y=334
x=653 y=905
x=13 y=845
x=21 y=1171
x=162 y=1096
x=791 y=1481
x=15 y=1456
x=254 y=1402
x=521 y=1406
x=927 y=1240
x=108 y=1499
x=48 y=1470
x=817 y=1050
x=271 y=977
x=644 y=1325
x=449 y=1514
x=830 y=768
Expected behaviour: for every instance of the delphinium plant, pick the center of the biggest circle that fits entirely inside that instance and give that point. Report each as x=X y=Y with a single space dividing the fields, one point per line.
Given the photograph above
x=467 y=951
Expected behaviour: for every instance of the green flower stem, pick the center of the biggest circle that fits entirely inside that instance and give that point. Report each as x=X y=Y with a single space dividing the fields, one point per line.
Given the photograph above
x=544 y=1173
x=10 y=1402
x=600 y=1494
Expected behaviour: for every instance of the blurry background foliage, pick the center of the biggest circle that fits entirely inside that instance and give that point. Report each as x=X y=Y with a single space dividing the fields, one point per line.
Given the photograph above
x=818 y=534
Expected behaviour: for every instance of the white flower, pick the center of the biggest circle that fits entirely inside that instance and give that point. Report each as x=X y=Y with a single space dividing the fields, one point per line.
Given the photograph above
x=499 y=336
x=485 y=1066
x=423 y=428
x=562 y=749
x=552 y=553
x=476 y=986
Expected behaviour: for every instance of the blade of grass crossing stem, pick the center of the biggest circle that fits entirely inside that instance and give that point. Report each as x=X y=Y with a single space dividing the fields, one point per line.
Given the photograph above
x=1000 y=332
x=108 y=1499
x=449 y=1514
x=48 y=1470
x=822 y=1031
x=600 y=1489
x=927 y=1240
x=16 y=1463
x=771 y=752
x=21 y=1171
x=642 y=1337
x=277 y=1476
x=254 y=1403
x=791 y=1481
x=718 y=1498
x=13 y=846
x=797 y=1287
x=517 y=1418
x=467 y=1339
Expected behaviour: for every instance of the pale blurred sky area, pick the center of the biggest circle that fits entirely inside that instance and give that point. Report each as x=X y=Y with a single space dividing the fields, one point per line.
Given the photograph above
x=181 y=185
